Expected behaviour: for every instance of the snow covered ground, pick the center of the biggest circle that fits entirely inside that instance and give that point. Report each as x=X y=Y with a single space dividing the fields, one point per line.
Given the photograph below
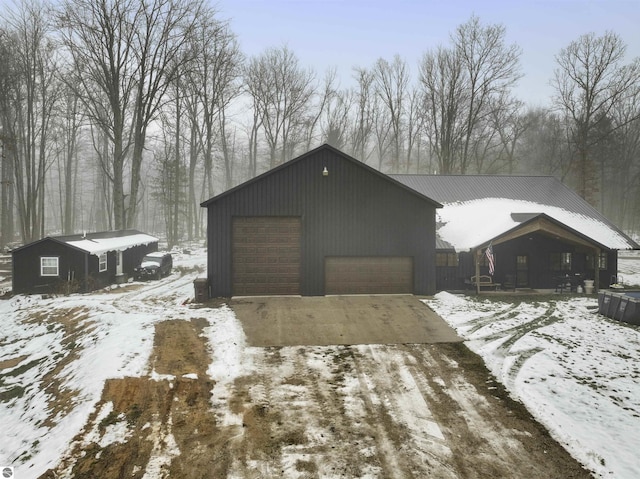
x=56 y=353
x=577 y=372
x=629 y=268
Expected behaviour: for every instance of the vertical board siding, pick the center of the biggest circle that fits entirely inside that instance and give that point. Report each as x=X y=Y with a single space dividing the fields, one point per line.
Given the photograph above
x=71 y=265
x=351 y=212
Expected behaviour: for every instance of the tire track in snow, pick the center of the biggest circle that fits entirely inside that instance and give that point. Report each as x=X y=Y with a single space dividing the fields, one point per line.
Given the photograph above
x=421 y=448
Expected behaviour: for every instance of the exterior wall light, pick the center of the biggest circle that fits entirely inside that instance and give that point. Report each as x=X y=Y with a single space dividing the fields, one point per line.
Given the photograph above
x=325 y=172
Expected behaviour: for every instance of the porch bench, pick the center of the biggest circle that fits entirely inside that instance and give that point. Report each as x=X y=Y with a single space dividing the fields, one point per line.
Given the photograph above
x=484 y=282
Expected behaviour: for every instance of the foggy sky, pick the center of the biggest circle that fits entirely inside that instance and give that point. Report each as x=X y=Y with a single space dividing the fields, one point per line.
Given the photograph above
x=347 y=33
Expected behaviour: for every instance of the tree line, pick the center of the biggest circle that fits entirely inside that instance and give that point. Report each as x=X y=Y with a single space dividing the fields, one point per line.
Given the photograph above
x=120 y=114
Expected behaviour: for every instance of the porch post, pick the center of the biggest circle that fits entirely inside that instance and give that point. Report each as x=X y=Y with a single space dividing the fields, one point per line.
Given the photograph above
x=476 y=257
x=596 y=280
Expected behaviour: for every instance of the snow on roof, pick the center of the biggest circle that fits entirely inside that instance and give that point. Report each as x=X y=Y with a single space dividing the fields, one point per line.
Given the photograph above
x=102 y=245
x=468 y=224
x=156 y=254
x=477 y=208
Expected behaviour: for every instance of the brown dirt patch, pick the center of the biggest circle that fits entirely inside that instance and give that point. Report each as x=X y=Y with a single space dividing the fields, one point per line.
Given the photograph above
x=159 y=416
x=12 y=363
x=179 y=348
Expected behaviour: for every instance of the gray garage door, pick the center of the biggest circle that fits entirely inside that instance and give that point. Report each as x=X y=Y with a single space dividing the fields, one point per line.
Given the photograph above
x=266 y=255
x=368 y=275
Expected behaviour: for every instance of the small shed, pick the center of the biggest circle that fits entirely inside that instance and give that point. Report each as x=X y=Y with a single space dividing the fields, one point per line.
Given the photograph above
x=322 y=223
x=81 y=262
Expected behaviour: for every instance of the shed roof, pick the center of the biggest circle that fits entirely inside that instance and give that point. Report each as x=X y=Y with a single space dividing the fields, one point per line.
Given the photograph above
x=478 y=208
x=101 y=242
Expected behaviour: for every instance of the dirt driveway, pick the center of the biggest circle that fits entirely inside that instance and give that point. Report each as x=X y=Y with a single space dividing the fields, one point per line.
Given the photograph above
x=339 y=320
x=341 y=411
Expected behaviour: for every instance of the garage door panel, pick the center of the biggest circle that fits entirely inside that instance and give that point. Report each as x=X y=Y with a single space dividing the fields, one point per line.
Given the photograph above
x=266 y=255
x=369 y=275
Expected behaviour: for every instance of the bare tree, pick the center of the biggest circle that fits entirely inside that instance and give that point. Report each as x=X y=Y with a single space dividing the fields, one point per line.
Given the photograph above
x=491 y=68
x=336 y=121
x=125 y=56
x=32 y=104
x=542 y=147
x=383 y=133
x=391 y=81
x=193 y=111
x=617 y=155
x=365 y=113
x=462 y=84
x=508 y=123
x=69 y=119
x=413 y=127
x=591 y=79
x=213 y=76
x=281 y=92
x=8 y=85
x=324 y=97
x=444 y=94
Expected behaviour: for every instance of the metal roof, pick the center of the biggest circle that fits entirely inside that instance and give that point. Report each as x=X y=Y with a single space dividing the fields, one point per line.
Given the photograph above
x=542 y=190
x=538 y=189
x=101 y=242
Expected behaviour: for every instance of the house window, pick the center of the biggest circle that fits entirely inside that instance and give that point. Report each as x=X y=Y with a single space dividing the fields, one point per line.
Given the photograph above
x=102 y=262
x=603 y=261
x=49 y=266
x=561 y=261
x=446 y=259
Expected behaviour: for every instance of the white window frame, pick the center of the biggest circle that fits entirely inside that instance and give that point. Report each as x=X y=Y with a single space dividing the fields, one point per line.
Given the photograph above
x=102 y=262
x=55 y=264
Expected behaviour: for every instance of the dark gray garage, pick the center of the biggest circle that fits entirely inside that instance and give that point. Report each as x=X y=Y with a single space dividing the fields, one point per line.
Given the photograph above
x=323 y=223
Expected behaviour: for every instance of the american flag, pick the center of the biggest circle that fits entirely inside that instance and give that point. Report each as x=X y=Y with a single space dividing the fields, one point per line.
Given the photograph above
x=491 y=259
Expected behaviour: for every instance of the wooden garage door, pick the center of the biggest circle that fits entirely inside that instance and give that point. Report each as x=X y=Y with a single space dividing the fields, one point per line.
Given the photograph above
x=266 y=255
x=368 y=275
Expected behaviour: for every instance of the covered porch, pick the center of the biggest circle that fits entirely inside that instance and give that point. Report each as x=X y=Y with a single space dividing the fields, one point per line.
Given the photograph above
x=539 y=254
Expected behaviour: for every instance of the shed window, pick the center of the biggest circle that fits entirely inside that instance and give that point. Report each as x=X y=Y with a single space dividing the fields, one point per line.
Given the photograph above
x=49 y=266
x=102 y=262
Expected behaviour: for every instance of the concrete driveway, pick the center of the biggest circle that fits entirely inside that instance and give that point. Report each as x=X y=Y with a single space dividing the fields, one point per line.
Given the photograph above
x=335 y=320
